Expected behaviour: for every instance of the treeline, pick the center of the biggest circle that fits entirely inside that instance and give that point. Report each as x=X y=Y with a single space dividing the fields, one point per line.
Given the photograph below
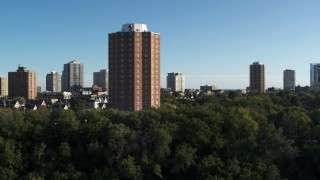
x=234 y=136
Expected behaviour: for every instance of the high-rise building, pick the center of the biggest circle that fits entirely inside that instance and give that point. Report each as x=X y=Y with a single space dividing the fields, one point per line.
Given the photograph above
x=175 y=81
x=100 y=79
x=257 y=77
x=289 y=80
x=72 y=76
x=134 y=68
x=53 y=82
x=3 y=86
x=314 y=74
x=22 y=83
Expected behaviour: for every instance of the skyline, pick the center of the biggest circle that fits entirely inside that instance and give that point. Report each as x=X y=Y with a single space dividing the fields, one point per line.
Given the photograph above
x=212 y=43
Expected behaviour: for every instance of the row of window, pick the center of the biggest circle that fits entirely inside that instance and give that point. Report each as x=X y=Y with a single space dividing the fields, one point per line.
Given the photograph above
x=145 y=34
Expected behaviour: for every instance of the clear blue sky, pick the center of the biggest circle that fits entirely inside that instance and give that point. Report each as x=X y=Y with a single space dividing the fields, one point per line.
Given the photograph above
x=210 y=41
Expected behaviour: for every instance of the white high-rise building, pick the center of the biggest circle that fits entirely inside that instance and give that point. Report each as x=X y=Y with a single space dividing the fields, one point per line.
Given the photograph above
x=289 y=80
x=176 y=81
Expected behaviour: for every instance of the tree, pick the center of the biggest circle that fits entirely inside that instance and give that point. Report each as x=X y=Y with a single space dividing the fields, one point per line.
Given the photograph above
x=296 y=125
x=129 y=168
x=211 y=166
x=79 y=105
x=21 y=100
x=10 y=159
x=157 y=143
x=183 y=159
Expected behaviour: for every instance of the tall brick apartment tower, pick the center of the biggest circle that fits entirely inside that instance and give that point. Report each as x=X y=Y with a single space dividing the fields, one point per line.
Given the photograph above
x=257 y=77
x=134 y=68
x=22 y=83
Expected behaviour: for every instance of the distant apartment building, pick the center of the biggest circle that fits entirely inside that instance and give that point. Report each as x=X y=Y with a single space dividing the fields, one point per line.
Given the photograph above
x=38 y=89
x=53 y=82
x=72 y=76
x=176 y=81
x=134 y=68
x=207 y=88
x=100 y=79
x=22 y=83
x=3 y=86
x=289 y=80
x=257 y=77
x=314 y=74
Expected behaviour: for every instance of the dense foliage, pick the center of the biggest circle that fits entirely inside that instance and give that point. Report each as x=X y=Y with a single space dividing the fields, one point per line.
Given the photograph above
x=234 y=136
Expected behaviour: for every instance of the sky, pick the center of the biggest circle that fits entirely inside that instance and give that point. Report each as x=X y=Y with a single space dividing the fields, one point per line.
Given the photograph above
x=212 y=42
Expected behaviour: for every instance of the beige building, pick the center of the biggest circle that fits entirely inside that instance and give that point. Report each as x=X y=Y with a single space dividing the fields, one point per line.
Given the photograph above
x=134 y=68
x=3 y=86
x=257 y=77
x=176 y=82
x=22 y=83
x=53 y=82
x=100 y=79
